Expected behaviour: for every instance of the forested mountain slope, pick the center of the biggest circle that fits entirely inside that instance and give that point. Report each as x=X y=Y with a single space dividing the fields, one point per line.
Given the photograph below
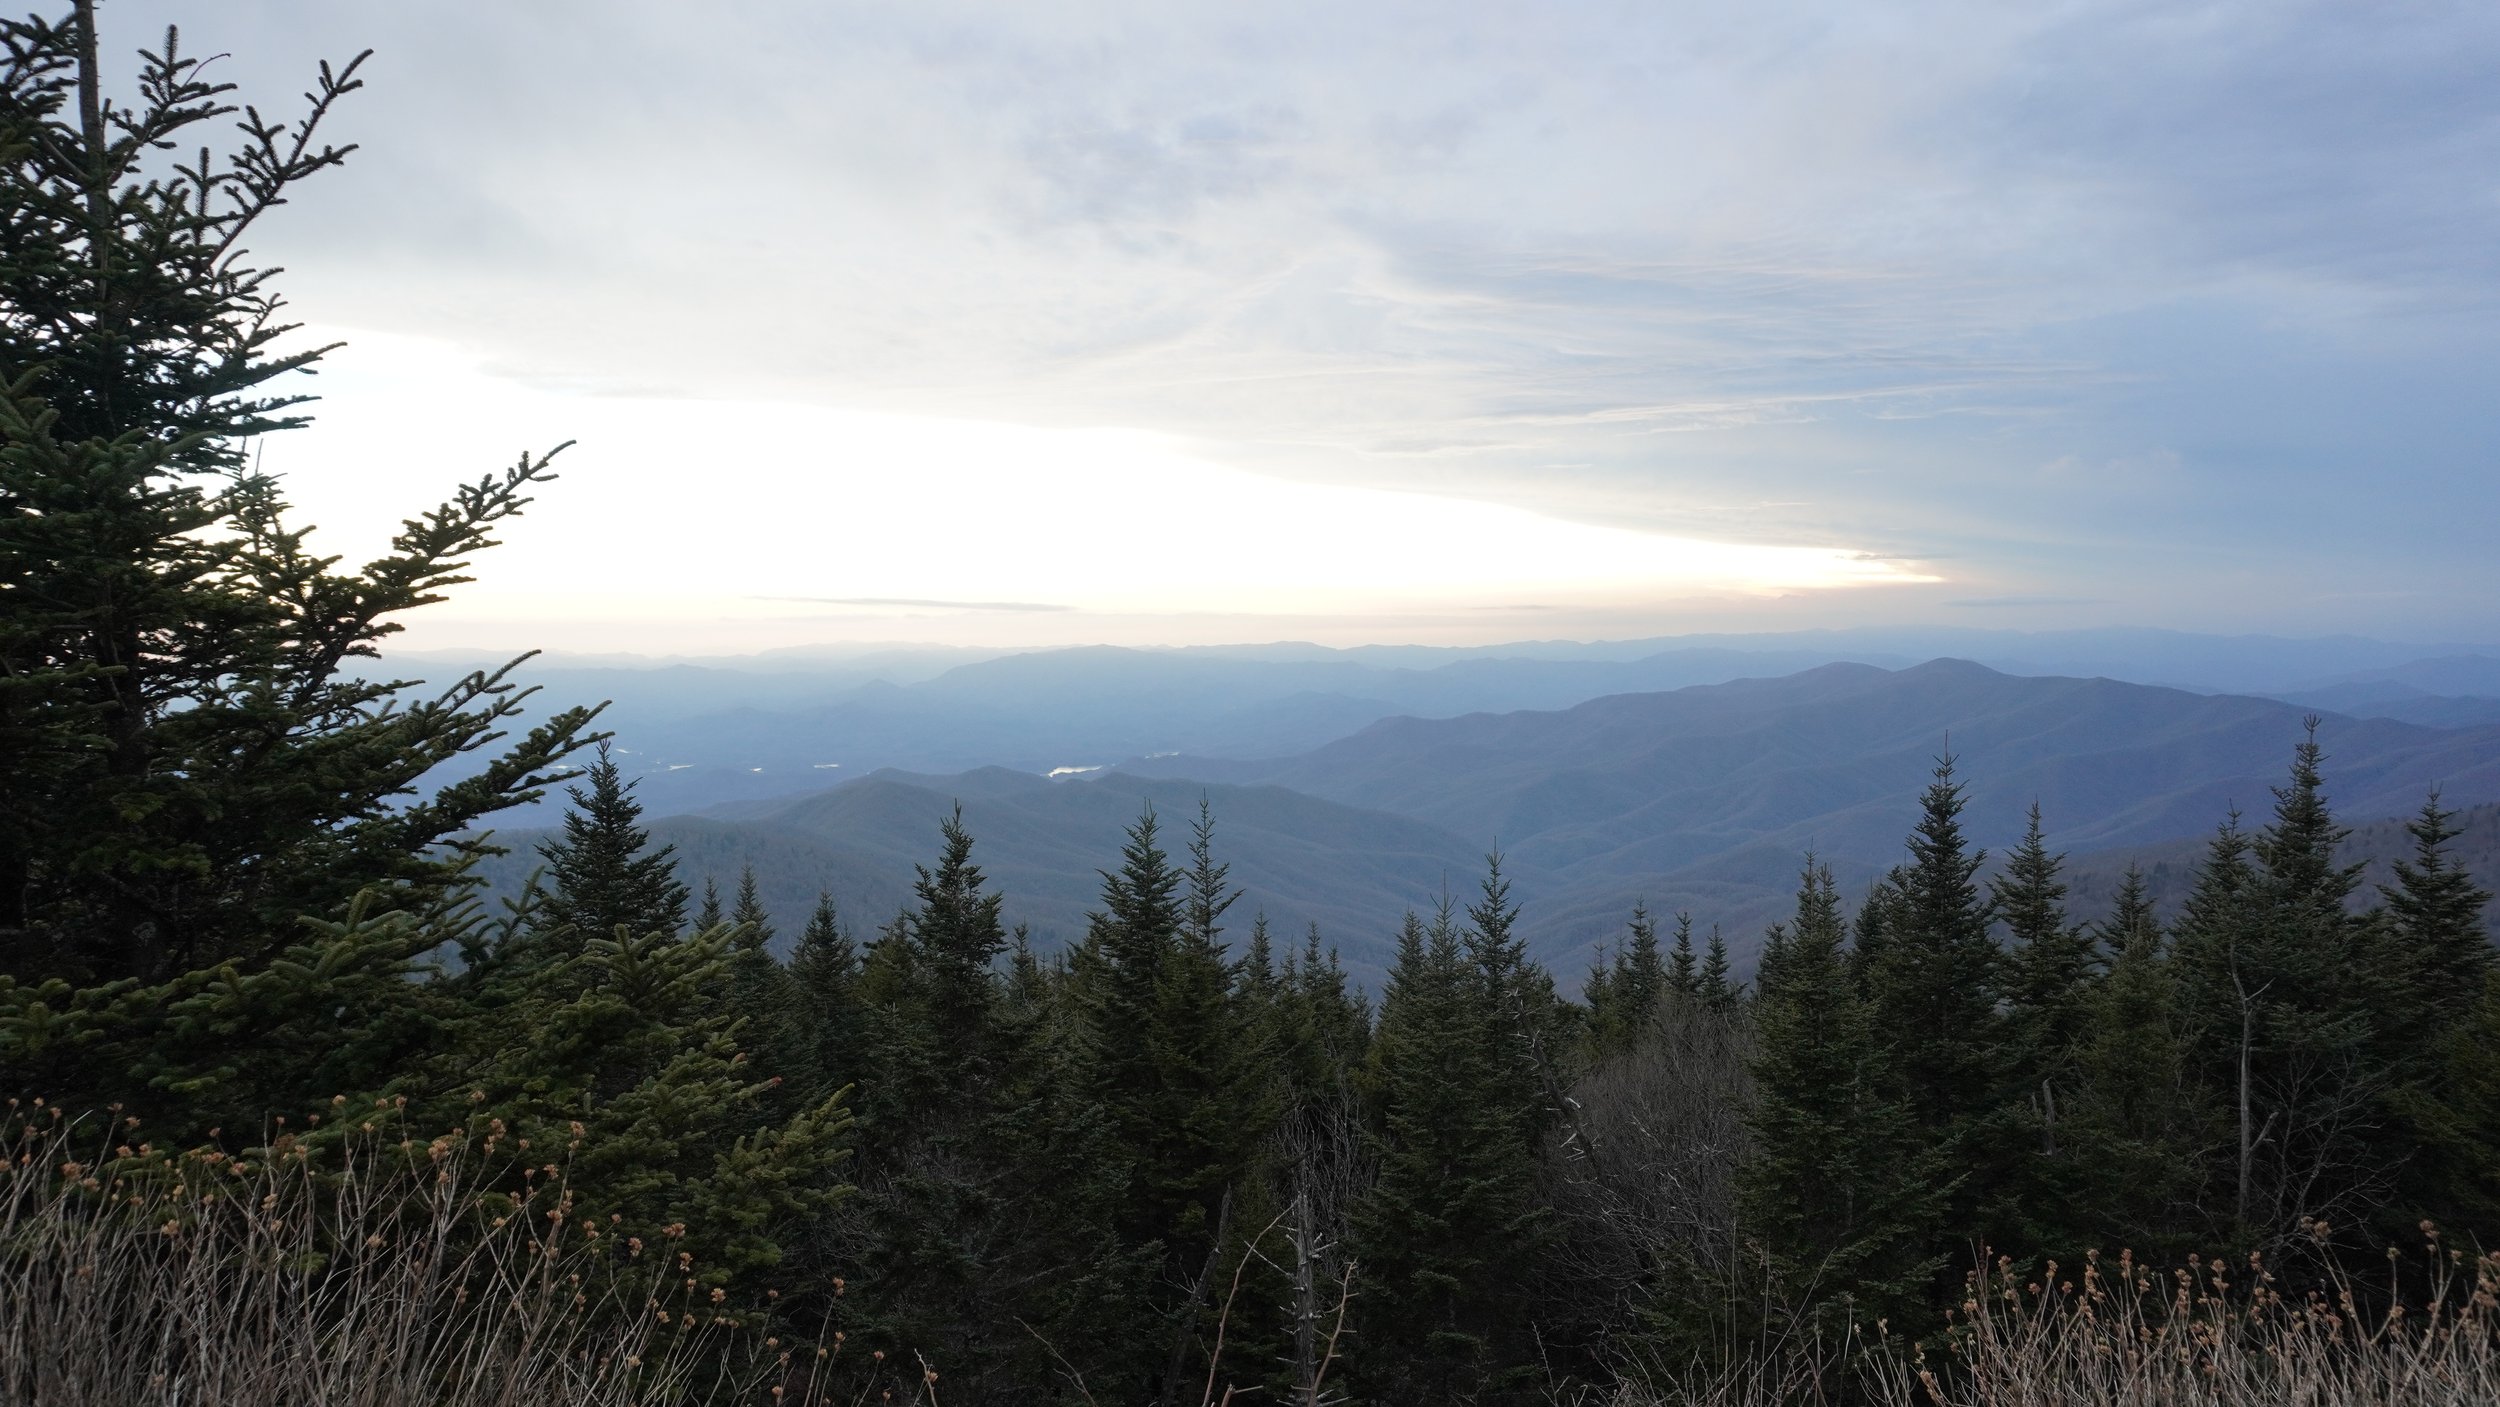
x=1703 y=799
x=1298 y=859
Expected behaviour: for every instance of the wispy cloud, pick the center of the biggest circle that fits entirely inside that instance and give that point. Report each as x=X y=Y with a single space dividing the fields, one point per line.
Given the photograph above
x=915 y=601
x=1850 y=277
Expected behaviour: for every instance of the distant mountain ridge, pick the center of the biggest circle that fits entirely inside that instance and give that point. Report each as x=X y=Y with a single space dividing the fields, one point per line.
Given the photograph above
x=743 y=728
x=1705 y=798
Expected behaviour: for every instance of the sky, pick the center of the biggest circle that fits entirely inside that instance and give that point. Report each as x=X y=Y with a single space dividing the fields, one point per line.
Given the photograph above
x=1055 y=322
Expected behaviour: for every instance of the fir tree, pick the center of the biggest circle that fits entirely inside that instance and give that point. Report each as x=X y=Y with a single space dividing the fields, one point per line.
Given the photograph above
x=755 y=927
x=1623 y=995
x=956 y=936
x=1643 y=976
x=2136 y=1121
x=189 y=761
x=1449 y=1222
x=1207 y=1111
x=2292 y=1012
x=1116 y=971
x=2051 y=962
x=2445 y=1099
x=709 y=915
x=821 y=1013
x=1683 y=976
x=2435 y=912
x=1840 y=1189
x=1933 y=990
x=1933 y=980
x=600 y=876
x=1719 y=989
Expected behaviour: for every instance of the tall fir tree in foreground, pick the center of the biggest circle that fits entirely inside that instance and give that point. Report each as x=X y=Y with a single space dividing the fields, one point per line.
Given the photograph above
x=1841 y=1190
x=1934 y=984
x=1445 y=1232
x=2138 y=1124
x=2049 y=973
x=189 y=761
x=2445 y=1095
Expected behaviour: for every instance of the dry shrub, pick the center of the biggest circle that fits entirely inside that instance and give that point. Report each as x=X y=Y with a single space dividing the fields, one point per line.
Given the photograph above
x=2119 y=1334
x=2213 y=1334
x=374 y=1269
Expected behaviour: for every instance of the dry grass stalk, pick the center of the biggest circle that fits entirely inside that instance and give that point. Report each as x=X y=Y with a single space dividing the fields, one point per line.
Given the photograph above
x=373 y=1270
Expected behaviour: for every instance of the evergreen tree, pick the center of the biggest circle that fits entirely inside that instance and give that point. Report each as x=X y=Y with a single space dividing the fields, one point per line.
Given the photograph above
x=2445 y=1102
x=1115 y=975
x=1840 y=1189
x=1332 y=1028
x=2291 y=1009
x=1933 y=981
x=709 y=914
x=1644 y=977
x=1683 y=976
x=189 y=761
x=1208 y=1113
x=600 y=875
x=956 y=936
x=755 y=927
x=2051 y=963
x=1623 y=995
x=1933 y=989
x=2049 y=978
x=1447 y=1227
x=2435 y=912
x=2138 y=1125
x=821 y=1013
x=1719 y=989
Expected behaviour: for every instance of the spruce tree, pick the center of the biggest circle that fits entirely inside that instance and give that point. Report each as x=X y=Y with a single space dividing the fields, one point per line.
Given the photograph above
x=1445 y=1233
x=1643 y=978
x=1840 y=1188
x=1934 y=979
x=2137 y=1125
x=1718 y=987
x=1332 y=1027
x=1623 y=992
x=1208 y=1113
x=600 y=876
x=2049 y=975
x=2050 y=963
x=2291 y=1004
x=956 y=935
x=2435 y=913
x=821 y=1012
x=755 y=927
x=2445 y=1095
x=189 y=761
x=1933 y=988
x=1683 y=975
x=1116 y=976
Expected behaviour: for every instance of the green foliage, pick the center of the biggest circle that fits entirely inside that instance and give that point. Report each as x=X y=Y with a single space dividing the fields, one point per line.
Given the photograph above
x=1452 y=1216
x=2134 y=1110
x=186 y=762
x=601 y=874
x=1841 y=1190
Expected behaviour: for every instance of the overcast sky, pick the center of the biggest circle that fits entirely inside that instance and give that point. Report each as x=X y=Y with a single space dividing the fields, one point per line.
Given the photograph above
x=1176 y=322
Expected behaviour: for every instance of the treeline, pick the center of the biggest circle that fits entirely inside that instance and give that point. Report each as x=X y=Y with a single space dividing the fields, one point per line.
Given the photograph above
x=1174 y=1142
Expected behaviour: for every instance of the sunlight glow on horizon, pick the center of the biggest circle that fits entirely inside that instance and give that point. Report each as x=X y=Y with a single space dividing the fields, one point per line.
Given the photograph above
x=686 y=515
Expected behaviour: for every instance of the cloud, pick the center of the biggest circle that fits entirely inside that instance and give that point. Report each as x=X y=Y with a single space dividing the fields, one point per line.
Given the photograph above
x=2025 y=602
x=1838 y=277
x=917 y=601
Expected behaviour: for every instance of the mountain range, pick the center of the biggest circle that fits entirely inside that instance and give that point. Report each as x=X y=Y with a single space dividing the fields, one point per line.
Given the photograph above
x=1703 y=798
x=704 y=732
